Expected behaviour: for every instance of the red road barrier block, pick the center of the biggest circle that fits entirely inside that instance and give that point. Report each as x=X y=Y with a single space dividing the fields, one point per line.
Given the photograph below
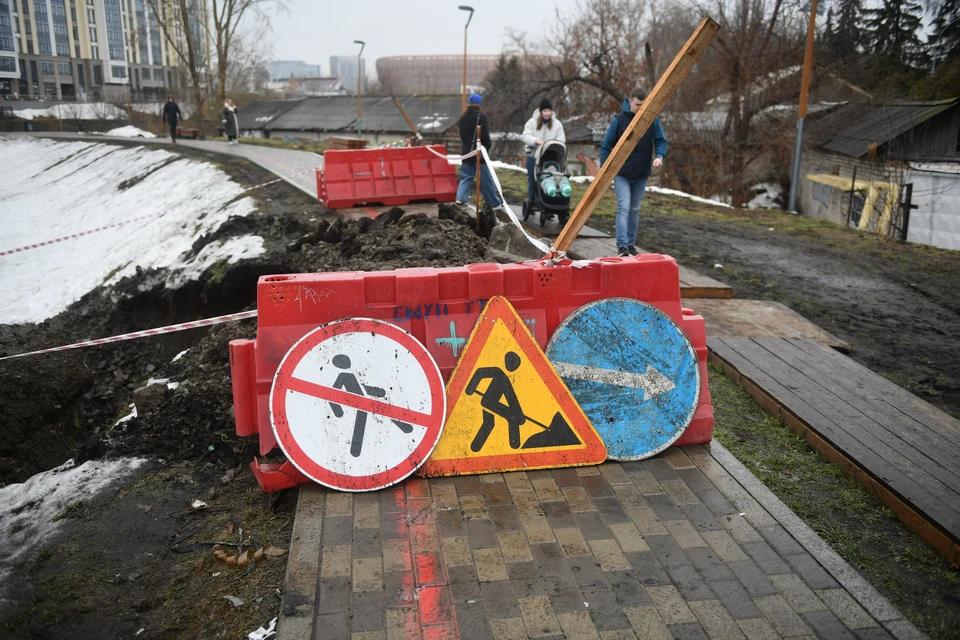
x=390 y=176
x=440 y=307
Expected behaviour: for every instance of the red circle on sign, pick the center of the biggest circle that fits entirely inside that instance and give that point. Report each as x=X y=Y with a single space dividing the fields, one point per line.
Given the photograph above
x=284 y=382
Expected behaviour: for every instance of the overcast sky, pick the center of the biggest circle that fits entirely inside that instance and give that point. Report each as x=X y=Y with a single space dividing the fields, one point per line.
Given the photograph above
x=314 y=30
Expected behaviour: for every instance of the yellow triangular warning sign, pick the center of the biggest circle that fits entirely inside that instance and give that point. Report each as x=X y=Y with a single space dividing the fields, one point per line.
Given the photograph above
x=507 y=409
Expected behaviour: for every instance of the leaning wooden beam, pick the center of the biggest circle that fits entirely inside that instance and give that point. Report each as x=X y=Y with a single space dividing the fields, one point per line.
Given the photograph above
x=655 y=101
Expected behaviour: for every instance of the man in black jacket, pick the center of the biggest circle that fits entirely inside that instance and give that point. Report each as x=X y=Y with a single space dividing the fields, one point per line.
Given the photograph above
x=472 y=117
x=171 y=113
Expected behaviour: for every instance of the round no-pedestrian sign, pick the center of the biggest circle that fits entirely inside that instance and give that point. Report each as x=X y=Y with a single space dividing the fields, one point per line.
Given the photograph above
x=357 y=404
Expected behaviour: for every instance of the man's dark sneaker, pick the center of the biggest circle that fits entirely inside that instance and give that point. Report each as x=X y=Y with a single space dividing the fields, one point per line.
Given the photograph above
x=632 y=249
x=623 y=251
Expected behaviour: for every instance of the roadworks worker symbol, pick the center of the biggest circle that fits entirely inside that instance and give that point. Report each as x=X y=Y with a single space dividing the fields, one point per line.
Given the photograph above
x=507 y=408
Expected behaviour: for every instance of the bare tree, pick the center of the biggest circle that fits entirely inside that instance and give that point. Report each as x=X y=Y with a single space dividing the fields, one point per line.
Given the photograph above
x=251 y=51
x=226 y=18
x=179 y=21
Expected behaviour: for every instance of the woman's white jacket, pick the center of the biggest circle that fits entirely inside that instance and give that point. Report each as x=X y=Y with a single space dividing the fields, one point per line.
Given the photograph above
x=531 y=133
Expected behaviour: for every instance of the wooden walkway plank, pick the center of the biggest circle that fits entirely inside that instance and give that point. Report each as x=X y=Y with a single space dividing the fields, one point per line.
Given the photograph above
x=904 y=451
x=815 y=405
x=938 y=444
x=739 y=318
x=875 y=387
x=917 y=497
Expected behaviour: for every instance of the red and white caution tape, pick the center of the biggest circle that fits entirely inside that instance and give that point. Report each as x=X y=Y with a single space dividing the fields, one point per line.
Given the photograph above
x=73 y=236
x=243 y=315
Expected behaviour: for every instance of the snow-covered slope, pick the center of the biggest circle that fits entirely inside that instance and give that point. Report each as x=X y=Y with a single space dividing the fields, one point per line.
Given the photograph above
x=51 y=189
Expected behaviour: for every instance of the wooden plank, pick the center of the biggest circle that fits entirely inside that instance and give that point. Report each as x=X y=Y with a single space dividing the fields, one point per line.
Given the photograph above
x=668 y=83
x=874 y=386
x=760 y=319
x=903 y=450
x=858 y=433
x=940 y=440
x=912 y=503
x=932 y=534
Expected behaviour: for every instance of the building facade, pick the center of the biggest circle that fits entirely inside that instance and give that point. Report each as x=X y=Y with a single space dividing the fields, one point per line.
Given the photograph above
x=281 y=70
x=92 y=49
x=345 y=68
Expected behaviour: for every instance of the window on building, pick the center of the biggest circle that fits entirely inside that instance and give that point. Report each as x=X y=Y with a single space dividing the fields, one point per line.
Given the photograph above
x=76 y=50
x=118 y=71
x=83 y=85
x=73 y=12
x=97 y=75
x=43 y=28
x=59 y=11
x=76 y=33
x=8 y=64
x=46 y=67
x=30 y=46
x=91 y=16
x=114 y=20
x=6 y=28
x=93 y=34
x=24 y=83
x=95 y=52
x=65 y=69
x=26 y=26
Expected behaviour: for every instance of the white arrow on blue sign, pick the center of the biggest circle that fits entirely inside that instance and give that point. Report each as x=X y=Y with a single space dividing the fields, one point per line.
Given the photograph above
x=634 y=372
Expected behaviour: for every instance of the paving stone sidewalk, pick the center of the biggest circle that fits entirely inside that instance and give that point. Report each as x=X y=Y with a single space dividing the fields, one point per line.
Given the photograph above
x=670 y=547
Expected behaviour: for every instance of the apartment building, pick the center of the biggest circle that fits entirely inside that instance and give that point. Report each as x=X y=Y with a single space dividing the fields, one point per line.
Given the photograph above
x=90 y=49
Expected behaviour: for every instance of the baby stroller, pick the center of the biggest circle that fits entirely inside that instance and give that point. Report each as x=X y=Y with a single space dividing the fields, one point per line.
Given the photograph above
x=549 y=172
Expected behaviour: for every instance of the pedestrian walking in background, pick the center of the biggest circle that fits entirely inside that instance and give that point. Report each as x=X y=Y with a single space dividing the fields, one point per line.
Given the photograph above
x=228 y=117
x=631 y=181
x=543 y=126
x=468 y=123
x=171 y=114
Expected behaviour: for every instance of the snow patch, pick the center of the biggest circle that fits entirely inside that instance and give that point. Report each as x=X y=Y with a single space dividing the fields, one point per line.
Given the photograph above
x=180 y=355
x=130 y=131
x=53 y=189
x=29 y=511
x=130 y=416
x=766 y=196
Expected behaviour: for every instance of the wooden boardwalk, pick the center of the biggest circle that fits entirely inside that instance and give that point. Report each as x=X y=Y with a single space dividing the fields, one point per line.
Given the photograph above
x=902 y=449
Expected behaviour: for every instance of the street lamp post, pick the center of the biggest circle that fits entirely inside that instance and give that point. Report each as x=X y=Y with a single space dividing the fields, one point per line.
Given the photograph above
x=463 y=101
x=359 y=78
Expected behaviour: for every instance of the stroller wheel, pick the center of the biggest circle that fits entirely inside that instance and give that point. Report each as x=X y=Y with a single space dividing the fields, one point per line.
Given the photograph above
x=563 y=217
x=526 y=209
x=543 y=218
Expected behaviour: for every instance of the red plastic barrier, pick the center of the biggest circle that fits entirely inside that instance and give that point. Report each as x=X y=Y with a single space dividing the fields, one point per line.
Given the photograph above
x=388 y=176
x=440 y=307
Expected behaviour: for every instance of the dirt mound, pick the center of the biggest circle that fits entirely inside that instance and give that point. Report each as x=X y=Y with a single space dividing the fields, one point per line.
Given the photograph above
x=63 y=405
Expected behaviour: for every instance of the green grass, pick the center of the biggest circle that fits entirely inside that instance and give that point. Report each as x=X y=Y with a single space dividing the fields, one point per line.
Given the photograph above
x=853 y=522
x=300 y=145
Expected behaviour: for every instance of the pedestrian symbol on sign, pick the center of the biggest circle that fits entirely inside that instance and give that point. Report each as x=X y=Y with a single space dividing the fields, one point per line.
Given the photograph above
x=357 y=404
x=349 y=382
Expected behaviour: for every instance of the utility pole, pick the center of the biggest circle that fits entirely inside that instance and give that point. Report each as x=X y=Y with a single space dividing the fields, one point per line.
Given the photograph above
x=359 y=79
x=802 y=113
x=463 y=99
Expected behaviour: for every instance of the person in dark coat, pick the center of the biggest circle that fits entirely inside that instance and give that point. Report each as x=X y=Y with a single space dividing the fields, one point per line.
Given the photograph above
x=171 y=114
x=631 y=181
x=228 y=118
x=472 y=117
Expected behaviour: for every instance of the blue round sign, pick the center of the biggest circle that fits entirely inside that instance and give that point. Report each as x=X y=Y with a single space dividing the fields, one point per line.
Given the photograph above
x=634 y=372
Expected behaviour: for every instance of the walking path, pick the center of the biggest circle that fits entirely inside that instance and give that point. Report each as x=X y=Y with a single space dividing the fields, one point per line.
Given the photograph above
x=688 y=544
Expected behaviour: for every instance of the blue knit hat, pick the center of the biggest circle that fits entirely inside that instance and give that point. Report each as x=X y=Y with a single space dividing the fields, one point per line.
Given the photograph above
x=475 y=98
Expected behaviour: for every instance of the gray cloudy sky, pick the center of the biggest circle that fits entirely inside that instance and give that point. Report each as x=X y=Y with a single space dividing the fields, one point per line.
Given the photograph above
x=314 y=30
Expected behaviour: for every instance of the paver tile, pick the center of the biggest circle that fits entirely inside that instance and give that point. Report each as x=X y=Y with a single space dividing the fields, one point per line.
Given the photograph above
x=667 y=551
x=827 y=625
x=474 y=508
x=339 y=504
x=648 y=570
x=504 y=518
x=508 y=629
x=367 y=574
x=614 y=474
x=499 y=599
x=578 y=499
x=456 y=551
x=782 y=541
x=647 y=623
x=401 y=624
x=335 y=561
x=547 y=489
x=679 y=492
x=618 y=634
x=514 y=547
x=605 y=611
x=736 y=599
x=537 y=528
x=527 y=503
x=366 y=543
x=489 y=564
x=578 y=625
x=753 y=578
x=758 y=629
x=797 y=593
x=779 y=612
x=629 y=538
x=367 y=612
x=715 y=620
x=629 y=496
x=490 y=478
x=738 y=526
x=366 y=515
x=690 y=584
x=710 y=467
x=708 y=564
x=571 y=542
x=368 y=635
x=396 y=555
x=725 y=547
x=591 y=470
x=482 y=534
x=495 y=493
x=592 y=526
x=609 y=555
x=627 y=589
x=647 y=521
x=539 y=618
x=766 y=557
x=647 y=484
x=688 y=631
x=670 y=605
x=701 y=517
x=846 y=608
x=517 y=481
x=684 y=533
x=812 y=572
x=611 y=510
x=559 y=515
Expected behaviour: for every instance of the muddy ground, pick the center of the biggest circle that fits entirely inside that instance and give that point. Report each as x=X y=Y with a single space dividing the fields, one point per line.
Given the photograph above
x=115 y=569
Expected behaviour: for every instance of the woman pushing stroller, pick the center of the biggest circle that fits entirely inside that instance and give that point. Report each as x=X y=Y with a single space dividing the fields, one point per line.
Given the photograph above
x=542 y=127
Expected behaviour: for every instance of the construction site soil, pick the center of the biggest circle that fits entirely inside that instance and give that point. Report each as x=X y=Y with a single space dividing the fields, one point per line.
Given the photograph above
x=140 y=559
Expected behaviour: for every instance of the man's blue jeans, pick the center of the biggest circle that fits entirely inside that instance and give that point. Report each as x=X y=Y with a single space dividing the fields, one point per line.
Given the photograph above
x=467 y=174
x=629 y=196
x=531 y=183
